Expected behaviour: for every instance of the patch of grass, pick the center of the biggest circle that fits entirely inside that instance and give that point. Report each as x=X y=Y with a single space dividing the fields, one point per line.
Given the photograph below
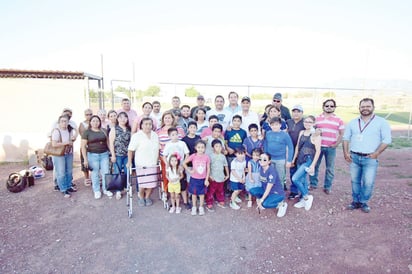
x=397 y=117
x=398 y=143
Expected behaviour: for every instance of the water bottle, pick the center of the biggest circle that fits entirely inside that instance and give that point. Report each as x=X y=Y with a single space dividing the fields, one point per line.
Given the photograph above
x=307 y=170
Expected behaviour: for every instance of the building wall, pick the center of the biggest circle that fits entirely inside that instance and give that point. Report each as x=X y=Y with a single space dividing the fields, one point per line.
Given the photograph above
x=28 y=109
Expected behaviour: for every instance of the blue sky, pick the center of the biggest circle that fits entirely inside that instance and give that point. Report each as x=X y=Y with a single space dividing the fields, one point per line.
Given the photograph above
x=289 y=43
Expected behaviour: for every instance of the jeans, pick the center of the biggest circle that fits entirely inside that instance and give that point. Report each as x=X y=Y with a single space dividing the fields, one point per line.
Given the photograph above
x=330 y=155
x=63 y=168
x=271 y=201
x=300 y=177
x=293 y=187
x=280 y=166
x=121 y=162
x=99 y=162
x=363 y=173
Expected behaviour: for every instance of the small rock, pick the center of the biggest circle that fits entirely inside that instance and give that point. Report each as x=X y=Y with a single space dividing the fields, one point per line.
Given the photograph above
x=58 y=240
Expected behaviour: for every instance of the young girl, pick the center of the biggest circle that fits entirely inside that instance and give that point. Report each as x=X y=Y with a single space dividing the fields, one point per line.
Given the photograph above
x=174 y=174
x=252 y=178
x=306 y=155
x=199 y=175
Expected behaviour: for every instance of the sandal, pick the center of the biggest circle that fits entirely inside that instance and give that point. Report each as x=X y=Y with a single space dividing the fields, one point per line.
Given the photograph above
x=87 y=182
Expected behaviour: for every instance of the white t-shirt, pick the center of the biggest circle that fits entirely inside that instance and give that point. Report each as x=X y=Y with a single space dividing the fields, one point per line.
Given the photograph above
x=239 y=167
x=224 y=117
x=250 y=118
x=146 y=150
x=180 y=147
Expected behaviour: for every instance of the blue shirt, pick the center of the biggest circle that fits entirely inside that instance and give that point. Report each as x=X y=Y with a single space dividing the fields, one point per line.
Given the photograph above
x=367 y=137
x=235 y=137
x=275 y=144
x=270 y=176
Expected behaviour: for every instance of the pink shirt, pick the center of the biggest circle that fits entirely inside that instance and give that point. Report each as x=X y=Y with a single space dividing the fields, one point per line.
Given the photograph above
x=131 y=114
x=200 y=164
x=330 y=129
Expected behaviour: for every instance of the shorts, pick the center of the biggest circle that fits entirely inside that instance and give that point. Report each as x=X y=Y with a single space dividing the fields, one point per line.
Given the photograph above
x=237 y=186
x=174 y=188
x=197 y=186
x=183 y=184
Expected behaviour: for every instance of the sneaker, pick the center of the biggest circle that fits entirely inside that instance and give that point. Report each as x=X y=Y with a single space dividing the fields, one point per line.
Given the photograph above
x=210 y=208
x=353 y=206
x=194 y=211
x=148 y=202
x=140 y=202
x=293 y=195
x=282 y=209
x=221 y=205
x=56 y=188
x=72 y=189
x=201 y=210
x=365 y=208
x=74 y=185
x=327 y=191
x=312 y=187
x=67 y=194
x=108 y=193
x=238 y=200
x=308 y=202
x=97 y=195
x=249 y=204
x=118 y=195
x=300 y=204
x=172 y=209
x=234 y=205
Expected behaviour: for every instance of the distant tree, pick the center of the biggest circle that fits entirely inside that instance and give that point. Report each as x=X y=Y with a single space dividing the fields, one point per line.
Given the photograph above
x=152 y=91
x=126 y=91
x=191 y=92
x=329 y=94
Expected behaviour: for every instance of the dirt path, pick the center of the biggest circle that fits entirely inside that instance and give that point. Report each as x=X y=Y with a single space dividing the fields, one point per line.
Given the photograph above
x=41 y=232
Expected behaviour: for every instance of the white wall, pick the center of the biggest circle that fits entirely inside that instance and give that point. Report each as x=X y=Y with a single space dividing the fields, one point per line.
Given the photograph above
x=28 y=108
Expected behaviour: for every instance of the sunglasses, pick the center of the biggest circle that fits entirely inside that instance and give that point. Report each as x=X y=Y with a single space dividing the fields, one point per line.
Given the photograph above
x=276 y=101
x=329 y=106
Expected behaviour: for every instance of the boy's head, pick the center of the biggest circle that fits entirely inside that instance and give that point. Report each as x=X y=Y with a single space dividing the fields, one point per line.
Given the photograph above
x=173 y=134
x=275 y=123
x=213 y=119
x=253 y=130
x=240 y=153
x=236 y=121
x=192 y=127
x=217 y=145
x=217 y=130
x=256 y=153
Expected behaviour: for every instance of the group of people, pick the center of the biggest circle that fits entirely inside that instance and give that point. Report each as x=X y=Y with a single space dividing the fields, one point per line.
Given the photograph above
x=210 y=153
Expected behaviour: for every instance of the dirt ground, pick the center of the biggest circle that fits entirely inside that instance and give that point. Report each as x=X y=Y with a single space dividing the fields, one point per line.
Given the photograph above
x=41 y=232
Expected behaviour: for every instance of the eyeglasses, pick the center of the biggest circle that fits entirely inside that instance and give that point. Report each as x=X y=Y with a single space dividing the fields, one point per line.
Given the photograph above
x=276 y=101
x=88 y=114
x=329 y=106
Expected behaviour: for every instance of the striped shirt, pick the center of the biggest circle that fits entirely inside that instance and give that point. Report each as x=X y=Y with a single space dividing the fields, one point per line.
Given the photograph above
x=330 y=127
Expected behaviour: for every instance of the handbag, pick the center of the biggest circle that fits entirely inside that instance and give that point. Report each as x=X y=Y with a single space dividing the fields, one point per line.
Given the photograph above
x=49 y=149
x=115 y=182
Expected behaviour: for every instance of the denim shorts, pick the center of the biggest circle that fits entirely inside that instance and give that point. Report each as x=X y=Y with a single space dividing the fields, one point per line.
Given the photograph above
x=237 y=186
x=197 y=186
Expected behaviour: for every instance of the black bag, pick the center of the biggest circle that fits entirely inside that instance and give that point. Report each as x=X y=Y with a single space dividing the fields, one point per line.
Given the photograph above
x=115 y=182
x=47 y=162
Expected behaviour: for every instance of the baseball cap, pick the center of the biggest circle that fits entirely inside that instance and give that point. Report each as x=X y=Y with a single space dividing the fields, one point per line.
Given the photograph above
x=277 y=96
x=245 y=98
x=297 y=107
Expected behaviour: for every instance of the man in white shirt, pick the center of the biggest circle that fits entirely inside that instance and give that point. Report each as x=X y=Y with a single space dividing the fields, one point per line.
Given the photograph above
x=222 y=114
